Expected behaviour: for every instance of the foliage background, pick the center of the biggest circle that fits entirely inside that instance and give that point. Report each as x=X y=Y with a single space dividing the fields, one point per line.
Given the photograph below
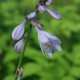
x=64 y=65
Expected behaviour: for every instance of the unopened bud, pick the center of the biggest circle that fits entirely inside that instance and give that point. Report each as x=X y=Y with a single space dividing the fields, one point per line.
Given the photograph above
x=41 y=8
x=18 y=31
x=19 y=46
x=49 y=2
x=54 y=14
x=31 y=15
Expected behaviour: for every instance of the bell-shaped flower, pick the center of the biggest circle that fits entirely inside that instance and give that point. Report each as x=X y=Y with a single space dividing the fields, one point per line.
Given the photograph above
x=48 y=42
x=48 y=2
x=19 y=46
x=54 y=14
x=31 y=15
x=41 y=8
x=18 y=31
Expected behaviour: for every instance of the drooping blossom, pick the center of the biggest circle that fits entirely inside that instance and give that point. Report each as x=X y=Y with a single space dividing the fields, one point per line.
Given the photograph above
x=48 y=42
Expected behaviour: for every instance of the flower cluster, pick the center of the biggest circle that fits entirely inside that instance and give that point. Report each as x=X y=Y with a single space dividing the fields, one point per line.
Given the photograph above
x=48 y=42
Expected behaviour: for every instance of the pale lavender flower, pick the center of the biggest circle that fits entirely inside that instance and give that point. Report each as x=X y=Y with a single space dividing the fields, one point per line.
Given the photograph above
x=18 y=31
x=31 y=15
x=41 y=8
x=48 y=2
x=48 y=42
x=54 y=14
x=19 y=46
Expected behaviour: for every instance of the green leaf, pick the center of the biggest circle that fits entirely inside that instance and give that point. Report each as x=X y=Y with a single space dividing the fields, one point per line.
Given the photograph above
x=75 y=71
x=31 y=68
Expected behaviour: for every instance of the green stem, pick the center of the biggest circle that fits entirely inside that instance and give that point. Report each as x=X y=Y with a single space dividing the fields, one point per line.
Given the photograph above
x=22 y=55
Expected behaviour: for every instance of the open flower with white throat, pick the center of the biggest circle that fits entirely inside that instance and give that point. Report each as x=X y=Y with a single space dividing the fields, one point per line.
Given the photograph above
x=48 y=42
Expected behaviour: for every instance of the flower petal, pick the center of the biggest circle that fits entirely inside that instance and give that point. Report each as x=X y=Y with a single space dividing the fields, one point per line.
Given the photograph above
x=49 y=55
x=18 y=31
x=54 y=38
x=41 y=48
x=46 y=49
x=58 y=47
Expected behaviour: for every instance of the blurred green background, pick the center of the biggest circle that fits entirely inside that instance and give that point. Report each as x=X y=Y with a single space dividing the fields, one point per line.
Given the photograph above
x=64 y=65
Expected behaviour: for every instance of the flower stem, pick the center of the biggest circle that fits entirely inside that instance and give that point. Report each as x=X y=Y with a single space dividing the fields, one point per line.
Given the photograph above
x=22 y=55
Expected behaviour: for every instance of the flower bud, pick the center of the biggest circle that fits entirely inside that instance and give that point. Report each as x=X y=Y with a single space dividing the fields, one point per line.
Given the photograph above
x=18 y=31
x=31 y=15
x=54 y=14
x=41 y=8
x=19 y=46
x=49 y=2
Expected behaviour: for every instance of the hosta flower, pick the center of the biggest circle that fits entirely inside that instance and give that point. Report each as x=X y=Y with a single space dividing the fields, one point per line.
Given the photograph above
x=54 y=14
x=19 y=46
x=41 y=8
x=48 y=42
x=18 y=31
x=31 y=15
x=48 y=2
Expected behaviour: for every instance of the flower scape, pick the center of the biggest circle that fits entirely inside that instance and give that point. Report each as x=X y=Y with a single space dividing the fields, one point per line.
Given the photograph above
x=48 y=43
